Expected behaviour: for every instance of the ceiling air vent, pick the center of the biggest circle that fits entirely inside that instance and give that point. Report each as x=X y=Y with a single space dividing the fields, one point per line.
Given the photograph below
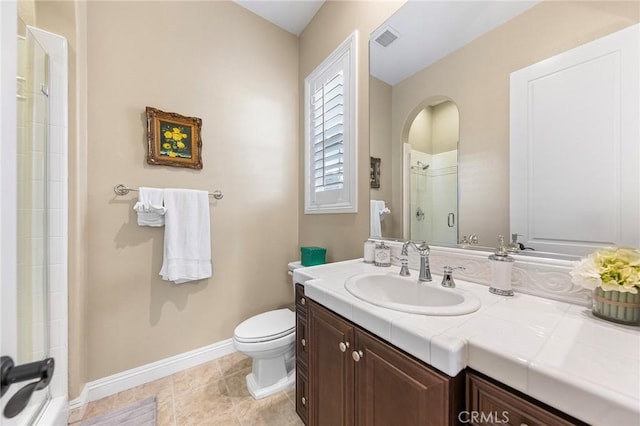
x=388 y=36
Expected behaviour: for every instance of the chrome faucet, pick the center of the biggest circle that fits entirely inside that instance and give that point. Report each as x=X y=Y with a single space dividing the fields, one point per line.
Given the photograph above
x=423 y=249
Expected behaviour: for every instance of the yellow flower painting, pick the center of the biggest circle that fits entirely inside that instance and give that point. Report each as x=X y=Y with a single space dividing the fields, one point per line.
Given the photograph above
x=173 y=139
x=176 y=140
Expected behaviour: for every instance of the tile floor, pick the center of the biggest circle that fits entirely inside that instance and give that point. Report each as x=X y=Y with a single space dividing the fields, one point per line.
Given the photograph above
x=213 y=393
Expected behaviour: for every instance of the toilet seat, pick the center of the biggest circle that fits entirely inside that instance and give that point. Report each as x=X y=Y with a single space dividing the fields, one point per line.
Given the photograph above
x=267 y=326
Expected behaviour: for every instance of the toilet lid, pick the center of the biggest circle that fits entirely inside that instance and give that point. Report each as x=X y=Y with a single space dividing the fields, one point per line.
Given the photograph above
x=266 y=326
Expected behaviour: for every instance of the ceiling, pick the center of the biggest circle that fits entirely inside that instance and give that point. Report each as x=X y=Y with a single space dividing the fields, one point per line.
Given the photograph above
x=290 y=15
x=430 y=30
x=427 y=30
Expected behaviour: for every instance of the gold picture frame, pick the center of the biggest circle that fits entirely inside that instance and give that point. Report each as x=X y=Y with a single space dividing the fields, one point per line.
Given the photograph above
x=173 y=139
x=374 y=179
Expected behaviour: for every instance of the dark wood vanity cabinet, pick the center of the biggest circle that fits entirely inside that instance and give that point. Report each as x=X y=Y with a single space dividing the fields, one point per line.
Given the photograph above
x=356 y=378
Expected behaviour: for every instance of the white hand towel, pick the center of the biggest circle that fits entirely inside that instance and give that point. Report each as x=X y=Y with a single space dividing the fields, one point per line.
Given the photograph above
x=384 y=213
x=149 y=207
x=374 y=217
x=187 y=236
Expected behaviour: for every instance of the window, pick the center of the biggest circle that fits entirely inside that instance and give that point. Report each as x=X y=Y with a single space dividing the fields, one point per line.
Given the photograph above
x=330 y=133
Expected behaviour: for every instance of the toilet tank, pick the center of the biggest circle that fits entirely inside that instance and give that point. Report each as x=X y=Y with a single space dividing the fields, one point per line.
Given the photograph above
x=292 y=266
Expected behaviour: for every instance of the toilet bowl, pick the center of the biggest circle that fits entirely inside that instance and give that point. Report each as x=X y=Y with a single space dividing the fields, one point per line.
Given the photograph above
x=269 y=340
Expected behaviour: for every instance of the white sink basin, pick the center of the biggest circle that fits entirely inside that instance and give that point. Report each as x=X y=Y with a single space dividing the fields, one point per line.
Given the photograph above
x=406 y=294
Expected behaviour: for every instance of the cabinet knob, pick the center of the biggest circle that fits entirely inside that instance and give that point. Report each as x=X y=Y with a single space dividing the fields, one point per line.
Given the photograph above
x=303 y=342
x=303 y=301
x=343 y=346
x=357 y=355
x=303 y=400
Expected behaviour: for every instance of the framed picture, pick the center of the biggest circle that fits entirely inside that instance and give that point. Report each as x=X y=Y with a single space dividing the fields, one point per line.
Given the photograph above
x=375 y=173
x=173 y=140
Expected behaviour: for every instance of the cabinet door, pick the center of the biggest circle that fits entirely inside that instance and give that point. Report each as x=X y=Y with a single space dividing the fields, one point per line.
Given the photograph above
x=490 y=403
x=395 y=389
x=302 y=394
x=330 y=368
x=302 y=337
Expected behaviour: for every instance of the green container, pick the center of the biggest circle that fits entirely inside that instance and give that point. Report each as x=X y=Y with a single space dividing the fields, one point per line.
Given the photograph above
x=623 y=308
x=310 y=256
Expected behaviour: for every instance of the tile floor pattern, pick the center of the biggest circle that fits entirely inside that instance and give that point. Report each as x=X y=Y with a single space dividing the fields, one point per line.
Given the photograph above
x=213 y=394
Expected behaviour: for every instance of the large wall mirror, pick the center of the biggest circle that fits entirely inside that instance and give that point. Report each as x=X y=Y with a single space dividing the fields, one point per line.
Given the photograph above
x=462 y=54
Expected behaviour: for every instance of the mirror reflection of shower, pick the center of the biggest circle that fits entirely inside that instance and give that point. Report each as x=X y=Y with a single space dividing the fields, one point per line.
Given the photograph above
x=433 y=160
x=420 y=166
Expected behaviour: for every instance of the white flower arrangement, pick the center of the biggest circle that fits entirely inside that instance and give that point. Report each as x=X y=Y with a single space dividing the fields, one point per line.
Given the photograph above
x=611 y=269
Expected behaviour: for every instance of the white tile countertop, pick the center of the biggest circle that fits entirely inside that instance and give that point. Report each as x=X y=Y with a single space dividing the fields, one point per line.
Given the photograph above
x=555 y=352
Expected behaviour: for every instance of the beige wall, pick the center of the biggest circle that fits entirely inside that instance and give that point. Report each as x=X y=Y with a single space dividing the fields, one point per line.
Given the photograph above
x=380 y=143
x=444 y=119
x=341 y=234
x=420 y=132
x=476 y=78
x=239 y=73
x=435 y=128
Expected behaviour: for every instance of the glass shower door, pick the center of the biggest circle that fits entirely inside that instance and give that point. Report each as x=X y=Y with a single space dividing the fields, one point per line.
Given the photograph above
x=32 y=219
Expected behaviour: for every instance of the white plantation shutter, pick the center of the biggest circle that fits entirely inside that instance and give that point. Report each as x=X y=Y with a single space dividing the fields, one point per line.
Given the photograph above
x=330 y=142
x=327 y=105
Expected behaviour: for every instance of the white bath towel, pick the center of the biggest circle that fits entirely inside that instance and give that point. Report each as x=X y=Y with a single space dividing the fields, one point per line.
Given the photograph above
x=187 y=236
x=150 y=207
x=377 y=207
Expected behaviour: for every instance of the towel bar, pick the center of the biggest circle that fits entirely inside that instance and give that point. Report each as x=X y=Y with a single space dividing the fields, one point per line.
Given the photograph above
x=120 y=189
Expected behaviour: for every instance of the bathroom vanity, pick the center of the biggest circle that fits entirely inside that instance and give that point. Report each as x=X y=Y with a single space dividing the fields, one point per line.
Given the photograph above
x=362 y=364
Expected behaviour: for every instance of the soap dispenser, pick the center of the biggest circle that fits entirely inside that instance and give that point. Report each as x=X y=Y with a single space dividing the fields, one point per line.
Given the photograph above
x=501 y=265
x=382 y=255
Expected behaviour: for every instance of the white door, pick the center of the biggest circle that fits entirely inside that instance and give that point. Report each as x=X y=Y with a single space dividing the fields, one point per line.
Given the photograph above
x=575 y=127
x=23 y=296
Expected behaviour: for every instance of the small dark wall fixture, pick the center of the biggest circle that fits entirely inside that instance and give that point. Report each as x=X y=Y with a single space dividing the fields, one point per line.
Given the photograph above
x=173 y=139
x=375 y=173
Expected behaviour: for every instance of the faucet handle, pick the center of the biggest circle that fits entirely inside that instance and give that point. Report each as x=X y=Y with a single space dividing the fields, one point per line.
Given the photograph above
x=514 y=246
x=447 y=279
x=423 y=248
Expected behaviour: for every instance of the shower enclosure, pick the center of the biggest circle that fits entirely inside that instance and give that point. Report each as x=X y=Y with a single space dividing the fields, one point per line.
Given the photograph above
x=33 y=244
x=32 y=208
x=433 y=197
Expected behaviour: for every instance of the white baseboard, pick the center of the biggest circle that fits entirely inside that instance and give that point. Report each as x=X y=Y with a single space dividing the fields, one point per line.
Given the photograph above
x=119 y=382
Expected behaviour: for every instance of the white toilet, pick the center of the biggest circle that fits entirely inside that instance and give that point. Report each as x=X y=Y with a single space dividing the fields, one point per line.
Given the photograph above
x=269 y=339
